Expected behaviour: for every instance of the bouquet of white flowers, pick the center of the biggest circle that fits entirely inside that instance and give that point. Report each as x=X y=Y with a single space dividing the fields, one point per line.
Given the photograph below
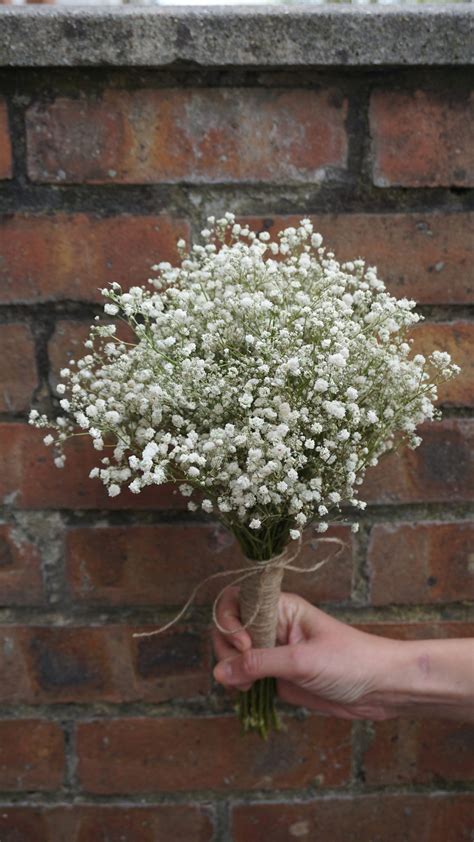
x=266 y=377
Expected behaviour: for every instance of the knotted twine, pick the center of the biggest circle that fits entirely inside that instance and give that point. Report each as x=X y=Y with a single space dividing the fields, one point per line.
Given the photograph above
x=259 y=593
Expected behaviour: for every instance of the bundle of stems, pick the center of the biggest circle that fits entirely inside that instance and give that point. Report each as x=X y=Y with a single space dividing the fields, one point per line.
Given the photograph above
x=259 y=597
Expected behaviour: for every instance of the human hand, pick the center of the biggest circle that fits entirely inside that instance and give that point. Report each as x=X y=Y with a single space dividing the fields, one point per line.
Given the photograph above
x=328 y=666
x=321 y=663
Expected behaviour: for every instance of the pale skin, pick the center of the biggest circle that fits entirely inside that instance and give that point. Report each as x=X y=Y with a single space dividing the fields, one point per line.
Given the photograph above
x=328 y=666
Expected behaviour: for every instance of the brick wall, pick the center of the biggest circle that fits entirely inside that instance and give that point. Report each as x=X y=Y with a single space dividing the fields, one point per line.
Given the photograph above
x=107 y=737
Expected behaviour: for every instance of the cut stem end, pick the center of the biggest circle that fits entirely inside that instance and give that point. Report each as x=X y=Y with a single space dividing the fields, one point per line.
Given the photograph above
x=256 y=708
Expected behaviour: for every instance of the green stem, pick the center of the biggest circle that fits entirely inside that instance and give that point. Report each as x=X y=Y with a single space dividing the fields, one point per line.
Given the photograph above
x=256 y=708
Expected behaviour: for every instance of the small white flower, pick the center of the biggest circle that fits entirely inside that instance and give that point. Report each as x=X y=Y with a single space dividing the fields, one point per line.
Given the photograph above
x=113 y=417
x=321 y=385
x=264 y=371
x=337 y=359
x=186 y=490
x=111 y=310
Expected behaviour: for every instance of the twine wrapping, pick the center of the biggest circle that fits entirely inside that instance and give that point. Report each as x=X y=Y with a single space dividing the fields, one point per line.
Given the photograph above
x=258 y=598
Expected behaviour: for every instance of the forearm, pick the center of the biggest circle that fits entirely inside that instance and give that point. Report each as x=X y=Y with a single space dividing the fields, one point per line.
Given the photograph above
x=432 y=678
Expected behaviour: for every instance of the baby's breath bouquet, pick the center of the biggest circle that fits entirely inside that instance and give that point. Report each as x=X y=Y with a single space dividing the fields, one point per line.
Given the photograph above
x=264 y=378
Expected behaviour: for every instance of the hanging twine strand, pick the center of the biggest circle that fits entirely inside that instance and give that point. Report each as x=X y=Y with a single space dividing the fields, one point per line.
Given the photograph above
x=265 y=601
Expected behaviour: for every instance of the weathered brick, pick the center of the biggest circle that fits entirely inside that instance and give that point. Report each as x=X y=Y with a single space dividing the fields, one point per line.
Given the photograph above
x=6 y=163
x=440 y=470
x=29 y=478
x=160 y=565
x=18 y=375
x=145 y=755
x=429 y=751
x=91 y=823
x=426 y=562
x=21 y=581
x=457 y=338
x=173 y=664
x=425 y=256
x=193 y=135
x=70 y=256
x=22 y=824
x=379 y=818
x=422 y=138
x=31 y=755
x=67 y=343
x=41 y=664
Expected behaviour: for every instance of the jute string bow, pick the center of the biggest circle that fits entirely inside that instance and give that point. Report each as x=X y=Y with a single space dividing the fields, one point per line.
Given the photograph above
x=259 y=593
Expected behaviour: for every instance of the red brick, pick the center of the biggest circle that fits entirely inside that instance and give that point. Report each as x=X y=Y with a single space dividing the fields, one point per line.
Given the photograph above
x=21 y=581
x=31 y=755
x=29 y=478
x=429 y=751
x=429 y=562
x=91 y=823
x=18 y=375
x=422 y=138
x=23 y=824
x=440 y=470
x=170 y=665
x=71 y=256
x=428 y=257
x=160 y=565
x=150 y=755
x=40 y=664
x=67 y=343
x=6 y=163
x=378 y=818
x=196 y=135
x=457 y=338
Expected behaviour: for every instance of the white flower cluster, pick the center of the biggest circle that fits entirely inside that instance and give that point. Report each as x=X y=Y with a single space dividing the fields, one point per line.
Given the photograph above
x=264 y=374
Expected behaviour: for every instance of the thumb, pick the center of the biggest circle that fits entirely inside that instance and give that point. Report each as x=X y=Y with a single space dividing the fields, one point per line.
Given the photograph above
x=278 y=662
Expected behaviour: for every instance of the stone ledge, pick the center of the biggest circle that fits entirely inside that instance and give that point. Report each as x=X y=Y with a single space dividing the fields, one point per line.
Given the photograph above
x=260 y=36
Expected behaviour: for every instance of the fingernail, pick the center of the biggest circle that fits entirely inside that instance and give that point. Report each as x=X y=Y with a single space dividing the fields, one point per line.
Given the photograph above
x=223 y=672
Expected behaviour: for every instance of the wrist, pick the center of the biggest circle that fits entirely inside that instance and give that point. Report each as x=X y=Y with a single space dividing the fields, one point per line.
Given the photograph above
x=429 y=678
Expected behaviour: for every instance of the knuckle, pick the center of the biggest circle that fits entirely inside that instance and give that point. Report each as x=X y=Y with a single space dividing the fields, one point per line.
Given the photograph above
x=252 y=662
x=226 y=619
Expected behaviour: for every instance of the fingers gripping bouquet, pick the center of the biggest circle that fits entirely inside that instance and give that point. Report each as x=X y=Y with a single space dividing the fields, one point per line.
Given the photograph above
x=266 y=377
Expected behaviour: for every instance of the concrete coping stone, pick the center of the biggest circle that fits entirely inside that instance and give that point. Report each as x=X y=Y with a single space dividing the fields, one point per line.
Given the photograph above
x=250 y=36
